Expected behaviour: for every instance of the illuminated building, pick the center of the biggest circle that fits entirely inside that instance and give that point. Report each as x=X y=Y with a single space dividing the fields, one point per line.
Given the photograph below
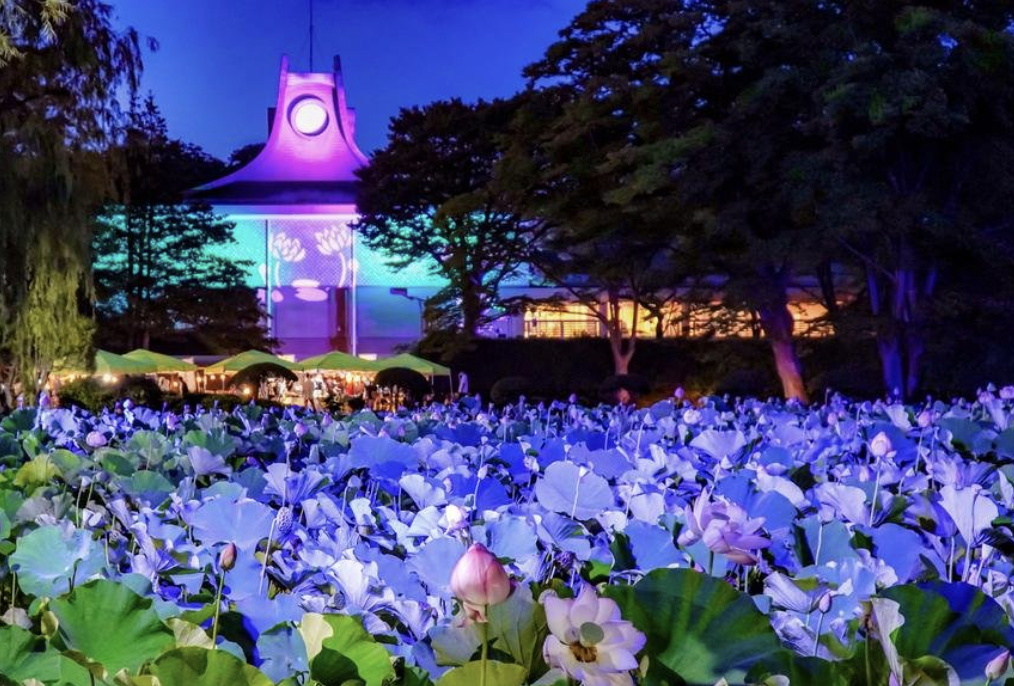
x=293 y=206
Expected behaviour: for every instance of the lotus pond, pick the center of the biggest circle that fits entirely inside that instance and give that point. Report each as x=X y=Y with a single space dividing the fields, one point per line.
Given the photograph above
x=755 y=542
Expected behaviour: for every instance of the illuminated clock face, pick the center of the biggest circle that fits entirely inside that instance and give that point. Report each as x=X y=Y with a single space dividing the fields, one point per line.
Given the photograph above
x=308 y=116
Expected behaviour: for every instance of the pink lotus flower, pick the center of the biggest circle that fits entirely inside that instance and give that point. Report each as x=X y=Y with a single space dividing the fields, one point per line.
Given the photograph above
x=725 y=528
x=227 y=558
x=589 y=640
x=478 y=581
x=998 y=666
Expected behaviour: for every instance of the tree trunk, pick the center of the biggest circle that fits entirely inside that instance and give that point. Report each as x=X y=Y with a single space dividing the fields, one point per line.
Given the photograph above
x=891 y=363
x=622 y=354
x=776 y=321
x=471 y=306
x=623 y=351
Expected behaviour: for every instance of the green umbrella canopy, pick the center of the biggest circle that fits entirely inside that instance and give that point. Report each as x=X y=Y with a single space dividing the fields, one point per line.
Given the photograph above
x=246 y=359
x=164 y=364
x=418 y=364
x=337 y=361
x=111 y=363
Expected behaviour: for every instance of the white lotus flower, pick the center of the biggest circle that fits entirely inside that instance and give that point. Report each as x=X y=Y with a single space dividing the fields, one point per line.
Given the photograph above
x=589 y=640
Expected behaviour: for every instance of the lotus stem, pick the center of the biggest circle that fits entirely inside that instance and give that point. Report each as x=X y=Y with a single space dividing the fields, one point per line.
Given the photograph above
x=876 y=494
x=484 y=633
x=816 y=637
x=218 y=609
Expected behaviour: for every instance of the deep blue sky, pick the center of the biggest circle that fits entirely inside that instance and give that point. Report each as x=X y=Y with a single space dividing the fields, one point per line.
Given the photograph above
x=216 y=71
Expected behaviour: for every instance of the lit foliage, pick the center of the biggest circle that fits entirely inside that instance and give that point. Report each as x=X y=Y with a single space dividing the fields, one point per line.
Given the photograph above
x=756 y=542
x=427 y=196
x=62 y=69
x=156 y=272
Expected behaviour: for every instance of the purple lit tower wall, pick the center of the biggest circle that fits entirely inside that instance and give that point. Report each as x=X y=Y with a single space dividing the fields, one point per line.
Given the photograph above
x=292 y=206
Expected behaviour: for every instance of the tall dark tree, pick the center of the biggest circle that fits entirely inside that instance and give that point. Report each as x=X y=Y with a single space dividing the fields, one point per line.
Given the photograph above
x=597 y=92
x=63 y=69
x=918 y=138
x=752 y=179
x=157 y=273
x=428 y=196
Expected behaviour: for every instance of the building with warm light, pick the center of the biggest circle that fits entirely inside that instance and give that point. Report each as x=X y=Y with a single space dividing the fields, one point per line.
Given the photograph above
x=294 y=207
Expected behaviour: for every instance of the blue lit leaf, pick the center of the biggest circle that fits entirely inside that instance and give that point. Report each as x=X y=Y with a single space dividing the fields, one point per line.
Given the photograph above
x=575 y=491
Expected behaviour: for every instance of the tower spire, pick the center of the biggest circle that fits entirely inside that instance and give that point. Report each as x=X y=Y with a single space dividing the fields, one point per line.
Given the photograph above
x=311 y=35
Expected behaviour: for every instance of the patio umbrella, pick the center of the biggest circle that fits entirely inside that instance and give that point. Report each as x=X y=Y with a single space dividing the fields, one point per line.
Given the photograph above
x=246 y=359
x=424 y=367
x=337 y=361
x=256 y=373
x=164 y=364
x=112 y=364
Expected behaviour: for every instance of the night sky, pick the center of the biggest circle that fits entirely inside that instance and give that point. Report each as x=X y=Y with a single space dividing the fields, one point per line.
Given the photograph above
x=216 y=71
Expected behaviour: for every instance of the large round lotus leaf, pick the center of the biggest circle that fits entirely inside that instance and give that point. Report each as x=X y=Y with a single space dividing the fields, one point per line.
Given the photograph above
x=112 y=625
x=340 y=649
x=202 y=667
x=499 y=673
x=20 y=657
x=580 y=494
x=698 y=627
x=48 y=557
x=953 y=621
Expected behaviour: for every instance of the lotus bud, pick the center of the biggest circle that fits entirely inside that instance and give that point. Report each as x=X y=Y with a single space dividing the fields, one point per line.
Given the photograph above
x=880 y=446
x=824 y=604
x=227 y=558
x=95 y=439
x=1007 y=393
x=478 y=581
x=924 y=419
x=997 y=667
x=455 y=516
x=44 y=401
x=300 y=429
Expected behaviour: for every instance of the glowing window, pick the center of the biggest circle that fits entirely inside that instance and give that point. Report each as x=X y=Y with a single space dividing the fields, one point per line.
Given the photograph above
x=566 y=320
x=308 y=116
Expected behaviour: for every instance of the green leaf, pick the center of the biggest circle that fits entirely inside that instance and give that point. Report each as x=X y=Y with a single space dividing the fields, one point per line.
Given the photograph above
x=48 y=557
x=189 y=635
x=112 y=625
x=340 y=649
x=5 y=525
x=67 y=462
x=956 y=622
x=150 y=447
x=454 y=645
x=414 y=676
x=147 y=485
x=24 y=655
x=38 y=471
x=801 y=670
x=201 y=667
x=698 y=627
x=497 y=673
x=929 y=671
x=518 y=627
